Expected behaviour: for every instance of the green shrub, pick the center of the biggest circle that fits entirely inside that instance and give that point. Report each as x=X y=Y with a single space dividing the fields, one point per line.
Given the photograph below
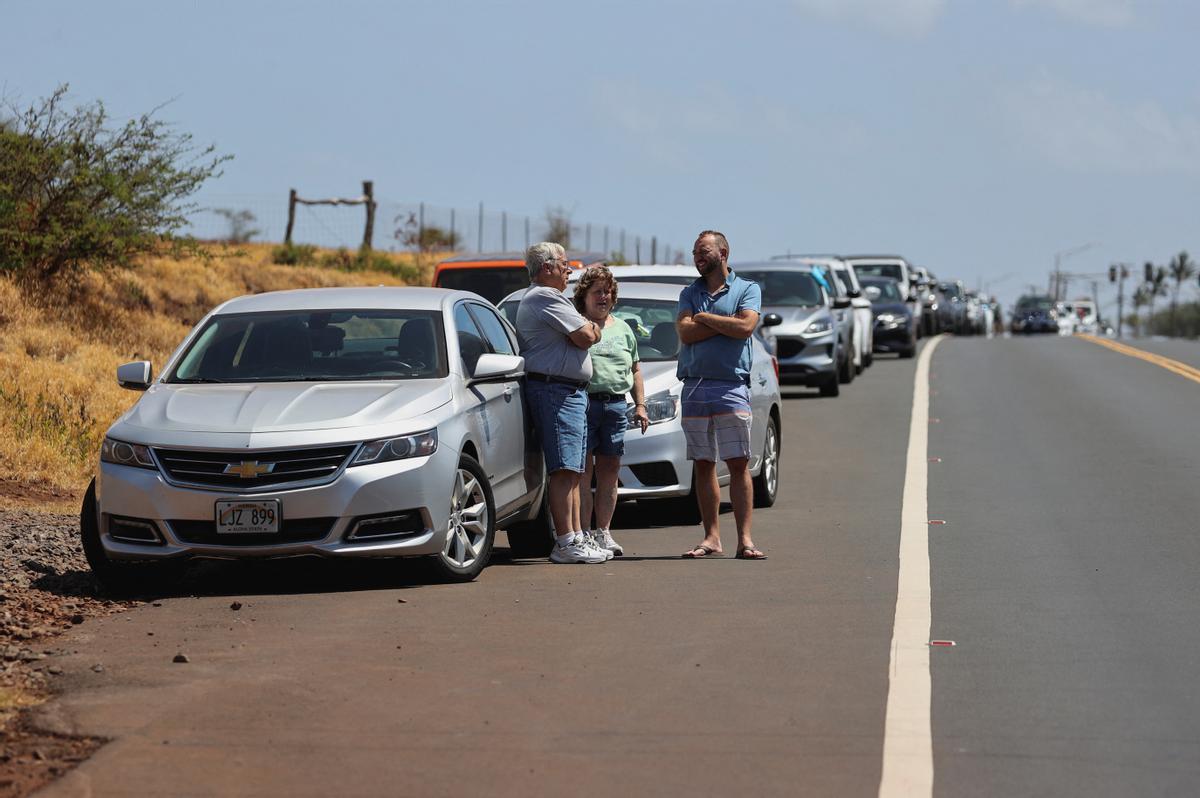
x=77 y=193
x=294 y=254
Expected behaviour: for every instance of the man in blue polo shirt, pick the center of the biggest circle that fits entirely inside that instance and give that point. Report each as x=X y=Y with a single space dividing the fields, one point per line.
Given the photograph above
x=717 y=315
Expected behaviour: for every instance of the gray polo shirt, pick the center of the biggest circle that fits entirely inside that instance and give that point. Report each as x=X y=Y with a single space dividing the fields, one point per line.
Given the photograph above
x=545 y=318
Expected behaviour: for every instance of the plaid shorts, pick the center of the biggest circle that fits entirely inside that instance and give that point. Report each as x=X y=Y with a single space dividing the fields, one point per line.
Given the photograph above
x=716 y=419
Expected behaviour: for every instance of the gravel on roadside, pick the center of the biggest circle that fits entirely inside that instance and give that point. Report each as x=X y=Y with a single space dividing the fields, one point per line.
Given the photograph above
x=45 y=589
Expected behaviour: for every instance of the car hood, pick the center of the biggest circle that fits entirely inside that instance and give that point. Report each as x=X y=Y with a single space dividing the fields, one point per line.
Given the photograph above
x=794 y=318
x=896 y=308
x=283 y=407
x=659 y=376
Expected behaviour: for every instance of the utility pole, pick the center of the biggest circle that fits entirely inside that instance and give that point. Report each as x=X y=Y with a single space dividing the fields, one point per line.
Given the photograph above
x=1117 y=274
x=1056 y=279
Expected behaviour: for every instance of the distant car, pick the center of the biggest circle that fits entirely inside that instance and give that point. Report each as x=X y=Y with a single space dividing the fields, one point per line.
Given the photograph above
x=825 y=269
x=495 y=275
x=1034 y=314
x=895 y=328
x=808 y=342
x=952 y=308
x=864 y=345
x=337 y=422
x=898 y=269
x=655 y=465
x=929 y=297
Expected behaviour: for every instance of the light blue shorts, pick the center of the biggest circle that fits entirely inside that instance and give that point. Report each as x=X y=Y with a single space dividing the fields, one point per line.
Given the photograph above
x=559 y=416
x=716 y=419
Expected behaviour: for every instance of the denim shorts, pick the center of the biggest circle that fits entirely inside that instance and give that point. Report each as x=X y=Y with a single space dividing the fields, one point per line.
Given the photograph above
x=559 y=416
x=606 y=422
x=716 y=419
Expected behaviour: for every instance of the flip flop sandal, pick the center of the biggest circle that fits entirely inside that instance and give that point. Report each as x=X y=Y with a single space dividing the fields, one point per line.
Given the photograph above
x=708 y=552
x=750 y=554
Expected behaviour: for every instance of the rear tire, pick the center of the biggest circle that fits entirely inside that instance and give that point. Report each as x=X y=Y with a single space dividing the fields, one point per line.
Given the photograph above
x=472 y=525
x=830 y=386
x=846 y=369
x=766 y=484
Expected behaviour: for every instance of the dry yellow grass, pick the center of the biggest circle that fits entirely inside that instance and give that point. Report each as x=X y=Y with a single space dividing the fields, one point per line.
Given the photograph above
x=59 y=349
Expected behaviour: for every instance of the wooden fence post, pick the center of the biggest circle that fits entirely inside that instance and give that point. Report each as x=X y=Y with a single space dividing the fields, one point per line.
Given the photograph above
x=654 y=249
x=369 y=231
x=287 y=237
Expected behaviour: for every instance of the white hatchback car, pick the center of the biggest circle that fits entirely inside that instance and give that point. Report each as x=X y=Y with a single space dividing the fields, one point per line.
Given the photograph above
x=343 y=422
x=655 y=465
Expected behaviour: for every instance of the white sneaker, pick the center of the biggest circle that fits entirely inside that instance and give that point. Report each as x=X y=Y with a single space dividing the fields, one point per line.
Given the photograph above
x=595 y=542
x=605 y=541
x=576 y=551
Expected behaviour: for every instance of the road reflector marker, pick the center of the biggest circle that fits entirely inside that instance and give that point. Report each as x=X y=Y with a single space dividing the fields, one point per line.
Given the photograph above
x=935 y=459
x=936 y=521
x=944 y=643
x=935 y=421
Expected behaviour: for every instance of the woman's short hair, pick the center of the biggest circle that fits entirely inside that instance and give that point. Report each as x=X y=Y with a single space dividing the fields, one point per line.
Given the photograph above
x=591 y=276
x=540 y=254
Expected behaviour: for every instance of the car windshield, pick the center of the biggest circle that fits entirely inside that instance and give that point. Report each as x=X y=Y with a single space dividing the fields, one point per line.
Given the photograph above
x=951 y=290
x=893 y=270
x=491 y=283
x=653 y=325
x=882 y=291
x=787 y=288
x=294 y=346
x=1032 y=303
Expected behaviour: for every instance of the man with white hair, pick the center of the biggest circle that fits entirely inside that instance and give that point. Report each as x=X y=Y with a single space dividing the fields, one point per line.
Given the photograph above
x=555 y=339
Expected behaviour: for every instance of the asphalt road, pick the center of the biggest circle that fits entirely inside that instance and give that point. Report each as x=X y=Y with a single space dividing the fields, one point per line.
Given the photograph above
x=1065 y=573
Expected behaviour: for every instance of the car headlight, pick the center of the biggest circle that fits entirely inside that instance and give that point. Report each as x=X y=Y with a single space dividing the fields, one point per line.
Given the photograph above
x=419 y=445
x=886 y=318
x=128 y=454
x=818 y=327
x=660 y=407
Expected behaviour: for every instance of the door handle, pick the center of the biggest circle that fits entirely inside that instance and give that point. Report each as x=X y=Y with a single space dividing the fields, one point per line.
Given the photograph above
x=508 y=393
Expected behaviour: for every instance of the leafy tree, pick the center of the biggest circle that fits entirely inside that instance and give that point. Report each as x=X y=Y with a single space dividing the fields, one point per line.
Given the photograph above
x=240 y=231
x=1181 y=268
x=1141 y=298
x=1155 y=287
x=558 y=226
x=77 y=192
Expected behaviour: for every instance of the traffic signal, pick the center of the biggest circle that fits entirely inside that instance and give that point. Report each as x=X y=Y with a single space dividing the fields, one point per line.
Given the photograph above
x=1112 y=274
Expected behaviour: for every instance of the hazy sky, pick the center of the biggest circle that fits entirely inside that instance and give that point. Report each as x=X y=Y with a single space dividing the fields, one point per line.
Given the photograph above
x=977 y=138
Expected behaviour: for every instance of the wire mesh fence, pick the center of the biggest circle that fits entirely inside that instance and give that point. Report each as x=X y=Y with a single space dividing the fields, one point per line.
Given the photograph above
x=401 y=226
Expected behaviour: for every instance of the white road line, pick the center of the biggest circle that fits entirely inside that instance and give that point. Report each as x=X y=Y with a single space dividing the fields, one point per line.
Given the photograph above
x=907 y=733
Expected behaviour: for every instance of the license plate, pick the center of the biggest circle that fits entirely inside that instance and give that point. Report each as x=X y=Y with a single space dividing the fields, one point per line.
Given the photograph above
x=246 y=517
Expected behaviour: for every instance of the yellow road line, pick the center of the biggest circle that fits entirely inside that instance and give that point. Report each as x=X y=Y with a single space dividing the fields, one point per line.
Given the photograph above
x=1182 y=369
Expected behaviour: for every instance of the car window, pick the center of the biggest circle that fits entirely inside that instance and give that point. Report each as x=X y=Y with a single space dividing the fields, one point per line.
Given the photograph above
x=893 y=270
x=493 y=329
x=314 y=346
x=471 y=344
x=882 y=290
x=509 y=309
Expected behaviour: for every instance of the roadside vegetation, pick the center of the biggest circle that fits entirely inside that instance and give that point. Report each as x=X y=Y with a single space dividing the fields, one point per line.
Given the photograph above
x=61 y=341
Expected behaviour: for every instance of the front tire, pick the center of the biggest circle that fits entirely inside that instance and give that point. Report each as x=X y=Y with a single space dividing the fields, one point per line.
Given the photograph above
x=846 y=369
x=766 y=484
x=830 y=386
x=472 y=528
x=118 y=578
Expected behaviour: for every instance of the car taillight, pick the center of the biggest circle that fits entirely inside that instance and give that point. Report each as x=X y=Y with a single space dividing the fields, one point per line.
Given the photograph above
x=775 y=365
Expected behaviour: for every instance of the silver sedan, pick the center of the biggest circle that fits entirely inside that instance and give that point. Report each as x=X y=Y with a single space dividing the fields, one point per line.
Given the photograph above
x=341 y=422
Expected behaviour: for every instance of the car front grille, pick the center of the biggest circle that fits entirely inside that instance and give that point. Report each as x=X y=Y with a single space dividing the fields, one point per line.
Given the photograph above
x=788 y=347
x=254 y=470
x=294 y=530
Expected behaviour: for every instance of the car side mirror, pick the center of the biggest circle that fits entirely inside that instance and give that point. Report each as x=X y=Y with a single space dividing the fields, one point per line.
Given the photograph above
x=841 y=302
x=134 y=376
x=772 y=320
x=854 y=293
x=496 y=368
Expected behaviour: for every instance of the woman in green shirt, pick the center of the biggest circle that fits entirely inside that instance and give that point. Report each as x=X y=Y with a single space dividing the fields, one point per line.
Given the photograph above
x=615 y=372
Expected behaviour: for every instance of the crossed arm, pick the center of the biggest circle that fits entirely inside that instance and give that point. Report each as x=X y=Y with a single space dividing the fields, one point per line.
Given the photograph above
x=696 y=327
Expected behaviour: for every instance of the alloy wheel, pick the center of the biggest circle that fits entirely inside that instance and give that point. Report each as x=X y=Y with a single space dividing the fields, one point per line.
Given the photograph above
x=469 y=521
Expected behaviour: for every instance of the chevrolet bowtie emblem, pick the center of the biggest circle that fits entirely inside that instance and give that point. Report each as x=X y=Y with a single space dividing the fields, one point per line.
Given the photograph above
x=249 y=469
